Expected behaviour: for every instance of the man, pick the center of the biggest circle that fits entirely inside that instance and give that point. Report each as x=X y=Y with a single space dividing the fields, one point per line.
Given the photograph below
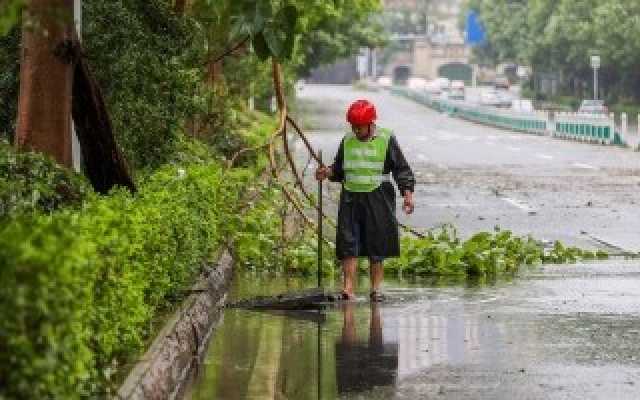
x=367 y=224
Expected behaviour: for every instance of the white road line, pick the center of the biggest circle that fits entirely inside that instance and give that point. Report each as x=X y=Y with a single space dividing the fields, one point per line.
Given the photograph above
x=584 y=166
x=422 y=157
x=544 y=156
x=422 y=139
x=469 y=139
x=519 y=204
x=512 y=148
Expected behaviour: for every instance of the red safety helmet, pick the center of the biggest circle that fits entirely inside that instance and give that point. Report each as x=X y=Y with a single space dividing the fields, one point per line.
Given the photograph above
x=361 y=112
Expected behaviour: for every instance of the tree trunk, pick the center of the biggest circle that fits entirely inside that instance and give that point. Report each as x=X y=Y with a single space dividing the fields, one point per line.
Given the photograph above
x=103 y=162
x=44 y=105
x=180 y=7
x=214 y=72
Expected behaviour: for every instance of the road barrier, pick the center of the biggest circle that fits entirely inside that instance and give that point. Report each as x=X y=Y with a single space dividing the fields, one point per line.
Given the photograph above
x=536 y=122
x=586 y=127
x=573 y=126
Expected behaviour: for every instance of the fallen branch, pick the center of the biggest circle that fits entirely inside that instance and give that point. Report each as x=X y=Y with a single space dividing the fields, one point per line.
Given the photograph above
x=227 y=52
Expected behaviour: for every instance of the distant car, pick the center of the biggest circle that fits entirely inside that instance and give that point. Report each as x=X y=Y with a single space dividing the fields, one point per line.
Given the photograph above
x=522 y=105
x=505 y=99
x=416 y=83
x=490 y=98
x=456 y=94
x=385 y=81
x=457 y=85
x=502 y=82
x=593 y=107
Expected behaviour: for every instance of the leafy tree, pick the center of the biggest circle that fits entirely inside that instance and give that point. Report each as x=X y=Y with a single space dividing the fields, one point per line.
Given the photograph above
x=9 y=15
x=561 y=35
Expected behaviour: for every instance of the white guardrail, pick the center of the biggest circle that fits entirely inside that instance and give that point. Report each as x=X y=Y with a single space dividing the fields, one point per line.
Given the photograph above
x=573 y=126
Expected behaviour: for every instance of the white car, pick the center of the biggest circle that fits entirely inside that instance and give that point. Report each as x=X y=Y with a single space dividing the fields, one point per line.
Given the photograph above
x=457 y=85
x=522 y=105
x=385 y=81
x=442 y=83
x=417 y=83
x=592 y=107
x=490 y=98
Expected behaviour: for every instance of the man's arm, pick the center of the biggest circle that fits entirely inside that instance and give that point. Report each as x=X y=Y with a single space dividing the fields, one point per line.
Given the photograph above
x=335 y=171
x=399 y=167
x=402 y=173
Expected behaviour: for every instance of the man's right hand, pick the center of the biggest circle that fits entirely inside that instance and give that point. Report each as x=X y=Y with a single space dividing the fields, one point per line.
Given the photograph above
x=323 y=172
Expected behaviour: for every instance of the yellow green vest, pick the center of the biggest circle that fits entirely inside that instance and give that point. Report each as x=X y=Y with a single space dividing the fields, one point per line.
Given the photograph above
x=364 y=162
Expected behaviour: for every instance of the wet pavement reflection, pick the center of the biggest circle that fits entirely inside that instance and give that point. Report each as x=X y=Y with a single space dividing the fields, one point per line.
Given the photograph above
x=566 y=332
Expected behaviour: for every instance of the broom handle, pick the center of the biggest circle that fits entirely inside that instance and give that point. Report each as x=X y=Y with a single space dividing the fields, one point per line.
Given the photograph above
x=320 y=232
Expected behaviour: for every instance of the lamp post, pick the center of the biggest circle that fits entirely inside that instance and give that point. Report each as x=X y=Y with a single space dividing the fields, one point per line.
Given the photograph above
x=76 y=153
x=595 y=64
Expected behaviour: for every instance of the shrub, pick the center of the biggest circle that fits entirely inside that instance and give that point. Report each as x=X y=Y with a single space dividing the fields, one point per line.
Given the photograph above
x=485 y=254
x=81 y=287
x=32 y=182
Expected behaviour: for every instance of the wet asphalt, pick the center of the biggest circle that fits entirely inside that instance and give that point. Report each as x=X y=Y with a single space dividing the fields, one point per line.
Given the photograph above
x=556 y=332
x=552 y=332
x=477 y=177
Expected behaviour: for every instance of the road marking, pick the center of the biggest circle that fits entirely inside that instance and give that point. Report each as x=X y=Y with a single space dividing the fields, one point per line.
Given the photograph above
x=512 y=148
x=544 y=156
x=422 y=139
x=519 y=204
x=422 y=157
x=584 y=166
x=469 y=139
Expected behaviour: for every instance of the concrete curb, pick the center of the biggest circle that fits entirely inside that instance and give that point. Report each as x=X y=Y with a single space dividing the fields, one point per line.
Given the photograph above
x=163 y=369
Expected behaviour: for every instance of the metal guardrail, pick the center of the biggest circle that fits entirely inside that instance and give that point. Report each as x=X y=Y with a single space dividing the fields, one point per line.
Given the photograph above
x=586 y=128
x=573 y=126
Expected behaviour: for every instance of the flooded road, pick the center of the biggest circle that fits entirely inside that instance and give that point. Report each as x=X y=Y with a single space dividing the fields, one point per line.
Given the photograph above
x=476 y=177
x=559 y=332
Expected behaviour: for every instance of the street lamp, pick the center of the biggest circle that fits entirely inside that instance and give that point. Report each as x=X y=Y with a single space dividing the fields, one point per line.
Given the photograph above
x=595 y=64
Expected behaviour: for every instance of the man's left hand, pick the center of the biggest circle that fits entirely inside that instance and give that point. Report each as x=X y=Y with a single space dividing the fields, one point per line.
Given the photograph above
x=408 y=205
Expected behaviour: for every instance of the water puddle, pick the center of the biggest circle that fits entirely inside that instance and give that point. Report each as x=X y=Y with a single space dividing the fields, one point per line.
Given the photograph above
x=527 y=338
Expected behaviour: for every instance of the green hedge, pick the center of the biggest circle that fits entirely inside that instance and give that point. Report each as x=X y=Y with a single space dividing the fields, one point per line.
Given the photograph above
x=30 y=182
x=80 y=288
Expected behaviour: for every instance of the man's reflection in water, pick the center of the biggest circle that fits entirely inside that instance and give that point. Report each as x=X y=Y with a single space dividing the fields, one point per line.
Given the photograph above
x=361 y=365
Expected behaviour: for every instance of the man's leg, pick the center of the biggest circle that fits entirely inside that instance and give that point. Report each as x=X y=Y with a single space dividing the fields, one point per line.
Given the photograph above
x=349 y=269
x=376 y=274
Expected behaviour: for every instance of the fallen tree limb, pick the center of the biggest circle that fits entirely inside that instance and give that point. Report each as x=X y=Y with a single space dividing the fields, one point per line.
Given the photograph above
x=104 y=163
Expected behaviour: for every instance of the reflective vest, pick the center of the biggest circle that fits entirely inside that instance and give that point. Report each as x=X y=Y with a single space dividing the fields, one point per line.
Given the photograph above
x=364 y=162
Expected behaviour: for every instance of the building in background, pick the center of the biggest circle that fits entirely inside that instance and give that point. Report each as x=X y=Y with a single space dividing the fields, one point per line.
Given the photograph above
x=425 y=41
x=428 y=42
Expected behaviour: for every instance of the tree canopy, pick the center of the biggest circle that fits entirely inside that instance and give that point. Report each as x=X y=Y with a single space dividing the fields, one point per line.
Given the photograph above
x=152 y=62
x=561 y=35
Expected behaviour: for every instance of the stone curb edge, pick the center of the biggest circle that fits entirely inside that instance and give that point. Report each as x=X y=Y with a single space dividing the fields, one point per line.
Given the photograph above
x=162 y=371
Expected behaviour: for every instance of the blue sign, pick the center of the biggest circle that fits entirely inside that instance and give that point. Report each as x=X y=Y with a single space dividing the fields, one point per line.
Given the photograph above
x=475 y=31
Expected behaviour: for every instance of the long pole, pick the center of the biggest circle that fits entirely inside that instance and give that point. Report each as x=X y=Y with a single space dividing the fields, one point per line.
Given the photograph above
x=595 y=83
x=320 y=233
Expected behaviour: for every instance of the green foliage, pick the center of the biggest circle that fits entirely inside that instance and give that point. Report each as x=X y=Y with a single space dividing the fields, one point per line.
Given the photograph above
x=32 y=183
x=561 y=35
x=9 y=86
x=145 y=58
x=9 y=14
x=83 y=286
x=258 y=241
x=485 y=254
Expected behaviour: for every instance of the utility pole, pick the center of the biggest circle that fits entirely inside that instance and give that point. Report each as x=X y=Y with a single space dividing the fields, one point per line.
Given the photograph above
x=76 y=151
x=595 y=64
